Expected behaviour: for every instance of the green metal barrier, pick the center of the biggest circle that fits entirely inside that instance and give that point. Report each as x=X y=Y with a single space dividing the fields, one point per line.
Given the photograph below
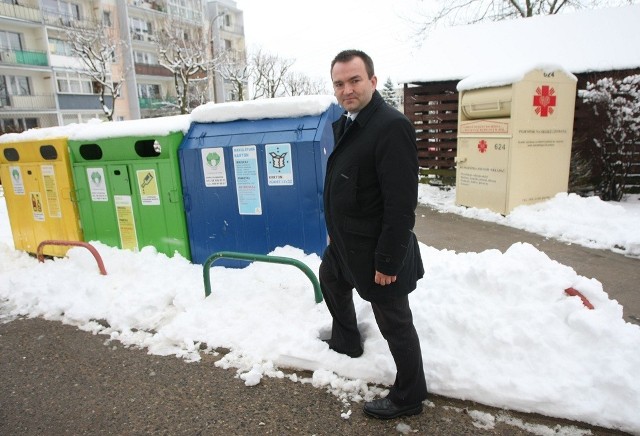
x=259 y=258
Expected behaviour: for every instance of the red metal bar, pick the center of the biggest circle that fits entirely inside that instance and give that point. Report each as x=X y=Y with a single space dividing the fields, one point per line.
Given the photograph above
x=575 y=293
x=89 y=247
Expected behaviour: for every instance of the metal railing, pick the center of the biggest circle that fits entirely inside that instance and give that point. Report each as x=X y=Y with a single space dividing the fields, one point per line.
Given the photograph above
x=28 y=12
x=27 y=102
x=23 y=57
x=250 y=257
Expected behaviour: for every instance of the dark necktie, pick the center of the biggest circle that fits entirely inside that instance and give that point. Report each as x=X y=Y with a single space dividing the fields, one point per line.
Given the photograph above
x=347 y=123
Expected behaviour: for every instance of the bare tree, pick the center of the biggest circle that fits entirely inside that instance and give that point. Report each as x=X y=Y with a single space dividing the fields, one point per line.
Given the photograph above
x=234 y=69
x=97 y=48
x=183 y=51
x=454 y=12
x=296 y=83
x=269 y=72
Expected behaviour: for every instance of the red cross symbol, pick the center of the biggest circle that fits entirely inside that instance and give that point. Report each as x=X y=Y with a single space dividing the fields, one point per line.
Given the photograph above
x=482 y=146
x=545 y=100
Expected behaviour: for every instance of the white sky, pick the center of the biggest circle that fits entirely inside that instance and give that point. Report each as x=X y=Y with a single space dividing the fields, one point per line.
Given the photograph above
x=312 y=33
x=495 y=327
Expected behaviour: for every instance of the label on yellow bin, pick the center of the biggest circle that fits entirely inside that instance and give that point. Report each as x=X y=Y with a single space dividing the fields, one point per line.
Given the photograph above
x=126 y=222
x=51 y=189
x=16 y=180
x=36 y=206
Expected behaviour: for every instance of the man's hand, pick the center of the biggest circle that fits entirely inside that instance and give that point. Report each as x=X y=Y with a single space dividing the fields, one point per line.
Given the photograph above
x=382 y=279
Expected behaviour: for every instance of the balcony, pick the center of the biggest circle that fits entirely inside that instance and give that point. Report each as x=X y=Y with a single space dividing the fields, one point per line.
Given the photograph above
x=28 y=11
x=63 y=20
x=153 y=5
x=152 y=70
x=83 y=101
x=23 y=57
x=13 y=103
x=157 y=103
x=236 y=30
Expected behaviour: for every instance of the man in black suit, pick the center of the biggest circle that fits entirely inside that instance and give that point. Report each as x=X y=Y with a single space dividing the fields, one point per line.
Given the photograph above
x=370 y=196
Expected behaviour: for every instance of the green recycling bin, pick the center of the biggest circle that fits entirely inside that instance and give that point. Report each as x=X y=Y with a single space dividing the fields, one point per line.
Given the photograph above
x=129 y=188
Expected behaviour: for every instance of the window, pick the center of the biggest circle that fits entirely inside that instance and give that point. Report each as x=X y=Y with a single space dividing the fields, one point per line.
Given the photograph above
x=141 y=57
x=146 y=90
x=227 y=20
x=17 y=124
x=106 y=18
x=66 y=10
x=14 y=85
x=60 y=47
x=227 y=45
x=73 y=83
x=10 y=40
x=140 y=29
x=187 y=9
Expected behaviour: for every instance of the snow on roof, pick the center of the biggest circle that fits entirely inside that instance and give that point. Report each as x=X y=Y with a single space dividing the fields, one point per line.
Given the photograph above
x=283 y=107
x=591 y=40
x=506 y=76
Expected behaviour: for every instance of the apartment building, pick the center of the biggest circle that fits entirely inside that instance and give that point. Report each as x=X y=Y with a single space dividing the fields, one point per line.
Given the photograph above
x=41 y=80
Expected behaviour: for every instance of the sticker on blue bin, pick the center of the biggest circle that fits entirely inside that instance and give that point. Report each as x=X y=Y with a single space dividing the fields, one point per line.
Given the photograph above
x=245 y=164
x=279 y=165
x=213 y=167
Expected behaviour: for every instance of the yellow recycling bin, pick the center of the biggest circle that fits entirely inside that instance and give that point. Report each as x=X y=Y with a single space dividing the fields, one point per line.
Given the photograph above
x=38 y=188
x=514 y=141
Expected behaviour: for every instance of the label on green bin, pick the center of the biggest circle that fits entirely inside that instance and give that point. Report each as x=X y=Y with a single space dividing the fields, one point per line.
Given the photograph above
x=126 y=222
x=148 y=186
x=97 y=184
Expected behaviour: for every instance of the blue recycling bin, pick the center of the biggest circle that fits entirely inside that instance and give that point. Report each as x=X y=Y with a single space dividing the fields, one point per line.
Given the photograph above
x=253 y=185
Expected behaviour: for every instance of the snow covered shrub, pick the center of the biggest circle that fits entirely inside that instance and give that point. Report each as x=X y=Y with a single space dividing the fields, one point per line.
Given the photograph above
x=615 y=131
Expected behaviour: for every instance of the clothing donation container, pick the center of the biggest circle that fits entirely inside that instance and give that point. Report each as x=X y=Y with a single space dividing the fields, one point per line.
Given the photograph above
x=514 y=140
x=38 y=187
x=128 y=183
x=253 y=174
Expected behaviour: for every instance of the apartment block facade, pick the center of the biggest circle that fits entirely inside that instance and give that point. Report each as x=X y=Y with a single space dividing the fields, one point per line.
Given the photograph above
x=42 y=83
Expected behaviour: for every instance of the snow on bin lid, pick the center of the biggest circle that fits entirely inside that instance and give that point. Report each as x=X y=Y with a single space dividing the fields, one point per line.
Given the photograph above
x=283 y=107
x=505 y=76
x=161 y=126
x=97 y=129
x=37 y=134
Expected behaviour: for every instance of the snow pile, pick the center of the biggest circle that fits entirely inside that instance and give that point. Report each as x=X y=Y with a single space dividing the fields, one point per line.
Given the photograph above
x=587 y=221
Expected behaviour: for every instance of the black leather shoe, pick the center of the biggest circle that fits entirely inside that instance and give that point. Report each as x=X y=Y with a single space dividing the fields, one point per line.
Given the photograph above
x=383 y=408
x=357 y=352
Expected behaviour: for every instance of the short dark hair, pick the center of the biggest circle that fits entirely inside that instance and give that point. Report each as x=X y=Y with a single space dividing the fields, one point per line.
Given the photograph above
x=347 y=55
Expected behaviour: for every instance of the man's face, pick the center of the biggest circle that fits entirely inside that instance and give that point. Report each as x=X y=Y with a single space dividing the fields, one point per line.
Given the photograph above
x=351 y=85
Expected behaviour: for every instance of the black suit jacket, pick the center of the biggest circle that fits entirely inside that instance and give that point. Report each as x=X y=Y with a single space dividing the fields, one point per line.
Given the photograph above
x=370 y=196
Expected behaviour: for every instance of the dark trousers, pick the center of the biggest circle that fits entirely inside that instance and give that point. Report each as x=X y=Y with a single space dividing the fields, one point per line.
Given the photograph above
x=395 y=321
